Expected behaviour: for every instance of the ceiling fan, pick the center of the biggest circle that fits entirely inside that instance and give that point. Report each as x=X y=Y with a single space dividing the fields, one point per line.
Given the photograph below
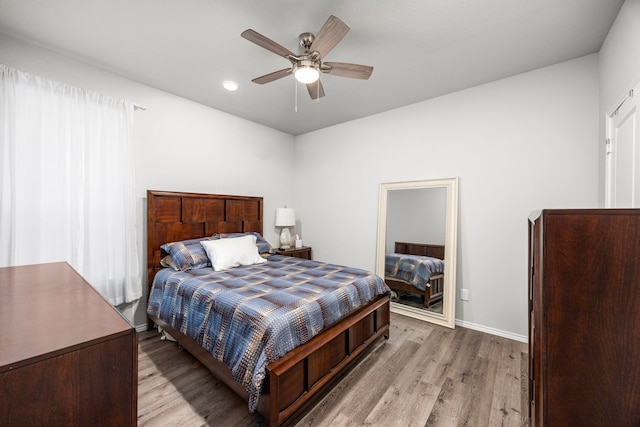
x=307 y=66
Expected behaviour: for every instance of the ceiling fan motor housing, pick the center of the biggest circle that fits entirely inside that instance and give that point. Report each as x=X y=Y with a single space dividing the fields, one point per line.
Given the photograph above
x=306 y=40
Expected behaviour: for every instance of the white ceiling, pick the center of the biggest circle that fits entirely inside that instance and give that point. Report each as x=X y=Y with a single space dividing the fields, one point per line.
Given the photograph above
x=419 y=49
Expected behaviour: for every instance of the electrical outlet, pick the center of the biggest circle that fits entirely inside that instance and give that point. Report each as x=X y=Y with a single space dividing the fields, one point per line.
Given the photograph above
x=464 y=294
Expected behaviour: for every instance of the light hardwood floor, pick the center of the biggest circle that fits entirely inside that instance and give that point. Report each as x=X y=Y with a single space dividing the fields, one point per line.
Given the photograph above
x=423 y=375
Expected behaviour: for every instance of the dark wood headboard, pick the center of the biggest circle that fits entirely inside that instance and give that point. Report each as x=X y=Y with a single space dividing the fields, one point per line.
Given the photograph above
x=422 y=249
x=173 y=216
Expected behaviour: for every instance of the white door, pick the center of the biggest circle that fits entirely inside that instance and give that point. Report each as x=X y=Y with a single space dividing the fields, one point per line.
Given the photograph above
x=623 y=154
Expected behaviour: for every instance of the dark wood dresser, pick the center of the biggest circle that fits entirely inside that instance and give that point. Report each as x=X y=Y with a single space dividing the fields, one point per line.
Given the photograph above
x=584 y=317
x=67 y=356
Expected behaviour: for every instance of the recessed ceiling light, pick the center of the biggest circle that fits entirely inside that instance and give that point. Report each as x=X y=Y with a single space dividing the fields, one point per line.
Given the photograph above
x=230 y=85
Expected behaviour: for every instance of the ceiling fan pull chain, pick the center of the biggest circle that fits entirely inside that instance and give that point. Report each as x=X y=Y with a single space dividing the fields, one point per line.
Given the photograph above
x=295 y=96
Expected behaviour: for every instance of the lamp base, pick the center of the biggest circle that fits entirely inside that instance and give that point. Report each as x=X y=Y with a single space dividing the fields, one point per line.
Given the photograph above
x=285 y=238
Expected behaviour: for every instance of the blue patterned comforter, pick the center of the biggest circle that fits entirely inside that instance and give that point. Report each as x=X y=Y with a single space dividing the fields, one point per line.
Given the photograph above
x=413 y=269
x=248 y=317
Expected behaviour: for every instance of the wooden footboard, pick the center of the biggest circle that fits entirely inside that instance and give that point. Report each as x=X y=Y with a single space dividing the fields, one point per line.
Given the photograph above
x=300 y=378
x=437 y=285
x=431 y=294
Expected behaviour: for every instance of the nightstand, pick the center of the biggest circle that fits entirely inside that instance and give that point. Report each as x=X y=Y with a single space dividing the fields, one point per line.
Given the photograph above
x=303 y=252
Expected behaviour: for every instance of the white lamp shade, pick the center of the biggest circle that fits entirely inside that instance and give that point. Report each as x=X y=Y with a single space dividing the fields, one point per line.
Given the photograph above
x=285 y=217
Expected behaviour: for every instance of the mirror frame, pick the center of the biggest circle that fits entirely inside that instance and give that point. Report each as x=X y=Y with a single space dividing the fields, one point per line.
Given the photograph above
x=447 y=318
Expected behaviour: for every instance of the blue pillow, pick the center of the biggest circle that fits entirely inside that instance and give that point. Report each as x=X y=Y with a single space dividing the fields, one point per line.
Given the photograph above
x=188 y=254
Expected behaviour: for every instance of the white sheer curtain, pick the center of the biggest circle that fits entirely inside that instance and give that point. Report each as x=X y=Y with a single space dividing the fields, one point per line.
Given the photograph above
x=67 y=183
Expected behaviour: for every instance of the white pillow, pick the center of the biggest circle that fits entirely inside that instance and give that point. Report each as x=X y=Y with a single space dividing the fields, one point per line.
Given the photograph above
x=232 y=252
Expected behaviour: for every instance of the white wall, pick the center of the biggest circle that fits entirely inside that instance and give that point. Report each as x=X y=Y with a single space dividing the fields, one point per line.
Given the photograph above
x=416 y=216
x=180 y=145
x=619 y=69
x=518 y=144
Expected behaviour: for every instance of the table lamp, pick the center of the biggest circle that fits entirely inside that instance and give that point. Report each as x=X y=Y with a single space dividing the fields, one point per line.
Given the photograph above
x=285 y=218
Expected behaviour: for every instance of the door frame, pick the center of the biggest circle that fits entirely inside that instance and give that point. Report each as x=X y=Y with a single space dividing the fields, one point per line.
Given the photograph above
x=610 y=142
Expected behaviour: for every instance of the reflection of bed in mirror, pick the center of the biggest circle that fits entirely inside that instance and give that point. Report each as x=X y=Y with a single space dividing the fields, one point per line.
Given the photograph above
x=417 y=268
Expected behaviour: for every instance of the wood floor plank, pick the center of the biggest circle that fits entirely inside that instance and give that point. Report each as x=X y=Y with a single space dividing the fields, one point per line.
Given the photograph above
x=423 y=375
x=411 y=395
x=368 y=397
x=506 y=406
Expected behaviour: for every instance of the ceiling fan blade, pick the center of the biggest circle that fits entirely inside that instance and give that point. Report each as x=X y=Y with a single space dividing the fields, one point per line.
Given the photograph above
x=353 y=71
x=272 y=76
x=329 y=36
x=315 y=89
x=266 y=43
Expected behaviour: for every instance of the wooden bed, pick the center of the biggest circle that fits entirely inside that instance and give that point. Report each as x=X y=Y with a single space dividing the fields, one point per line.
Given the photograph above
x=432 y=293
x=298 y=379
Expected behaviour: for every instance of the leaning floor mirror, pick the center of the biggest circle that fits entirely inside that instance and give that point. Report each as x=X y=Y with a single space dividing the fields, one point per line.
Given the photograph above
x=416 y=254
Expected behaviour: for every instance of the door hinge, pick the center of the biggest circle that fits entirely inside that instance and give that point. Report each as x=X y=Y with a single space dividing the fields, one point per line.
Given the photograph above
x=607 y=145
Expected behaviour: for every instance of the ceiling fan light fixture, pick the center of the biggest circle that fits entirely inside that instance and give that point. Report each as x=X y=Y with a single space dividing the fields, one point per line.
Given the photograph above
x=306 y=73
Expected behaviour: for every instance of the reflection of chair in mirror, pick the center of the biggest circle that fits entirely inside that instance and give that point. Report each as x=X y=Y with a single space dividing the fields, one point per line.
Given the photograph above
x=416 y=268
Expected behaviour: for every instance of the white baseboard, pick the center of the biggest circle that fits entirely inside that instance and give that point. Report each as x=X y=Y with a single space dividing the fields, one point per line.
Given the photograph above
x=462 y=323
x=492 y=331
x=141 y=328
